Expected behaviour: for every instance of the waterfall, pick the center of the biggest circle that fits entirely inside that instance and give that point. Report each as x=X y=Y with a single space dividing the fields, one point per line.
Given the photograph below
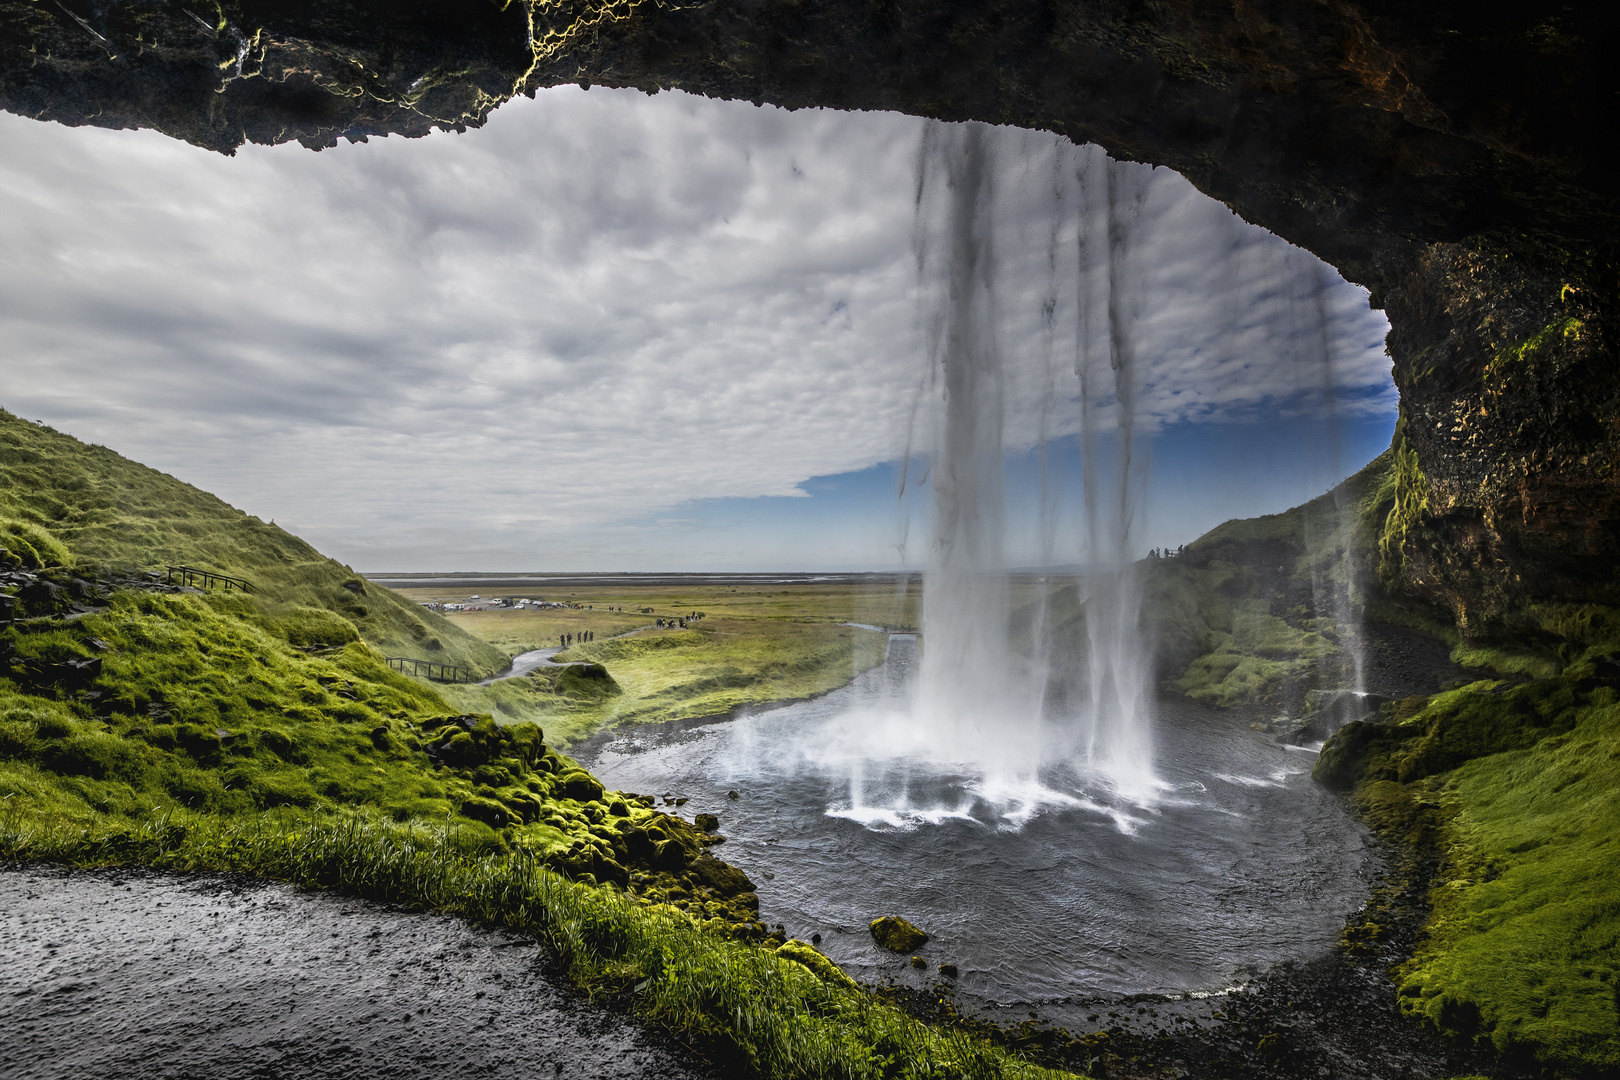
x=975 y=693
x=1330 y=529
x=1116 y=690
x=1058 y=711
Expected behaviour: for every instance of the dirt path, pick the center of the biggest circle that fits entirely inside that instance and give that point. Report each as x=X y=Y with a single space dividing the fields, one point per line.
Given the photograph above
x=523 y=663
x=134 y=974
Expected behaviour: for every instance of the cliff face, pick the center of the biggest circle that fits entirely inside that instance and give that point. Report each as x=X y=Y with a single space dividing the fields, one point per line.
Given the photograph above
x=1448 y=156
x=1510 y=397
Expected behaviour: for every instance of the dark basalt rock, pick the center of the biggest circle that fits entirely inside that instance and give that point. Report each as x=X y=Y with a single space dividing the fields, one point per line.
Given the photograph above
x=1451 y=157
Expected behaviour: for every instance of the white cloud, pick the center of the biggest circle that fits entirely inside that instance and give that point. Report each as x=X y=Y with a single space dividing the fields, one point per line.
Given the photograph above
x=528 y=344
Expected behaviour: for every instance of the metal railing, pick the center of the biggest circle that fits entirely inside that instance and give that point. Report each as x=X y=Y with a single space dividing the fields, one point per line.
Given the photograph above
x=190 y=574
x=431 y=670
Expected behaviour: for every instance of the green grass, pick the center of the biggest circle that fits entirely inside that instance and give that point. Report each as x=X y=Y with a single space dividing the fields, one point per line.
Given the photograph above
x=519 y=631
x=1517 y=790
x=1237 y=616
x=749 y=651
x=96 y=511
x=759 y=1013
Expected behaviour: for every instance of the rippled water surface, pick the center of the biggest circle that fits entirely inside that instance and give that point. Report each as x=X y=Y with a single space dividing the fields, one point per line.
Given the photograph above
x=1241 y=863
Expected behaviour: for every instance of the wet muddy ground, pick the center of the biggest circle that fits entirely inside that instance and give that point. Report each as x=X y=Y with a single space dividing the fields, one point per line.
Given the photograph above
x=139 y=974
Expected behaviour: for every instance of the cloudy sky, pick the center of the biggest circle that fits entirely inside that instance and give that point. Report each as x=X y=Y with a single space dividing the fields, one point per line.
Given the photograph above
x=611 y=331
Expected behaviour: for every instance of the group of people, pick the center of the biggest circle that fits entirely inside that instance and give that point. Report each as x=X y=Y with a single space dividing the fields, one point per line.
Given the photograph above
x=679 y=621
x=581 y=638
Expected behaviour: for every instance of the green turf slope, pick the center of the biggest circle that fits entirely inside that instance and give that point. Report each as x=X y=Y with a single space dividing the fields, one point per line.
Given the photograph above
x=111 y=515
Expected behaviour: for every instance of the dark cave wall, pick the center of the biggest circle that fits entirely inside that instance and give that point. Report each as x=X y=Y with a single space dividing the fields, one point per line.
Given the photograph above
x=1450 y=156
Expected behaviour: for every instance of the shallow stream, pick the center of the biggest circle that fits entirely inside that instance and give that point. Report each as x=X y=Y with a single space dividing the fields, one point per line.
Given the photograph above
x=1241 y=863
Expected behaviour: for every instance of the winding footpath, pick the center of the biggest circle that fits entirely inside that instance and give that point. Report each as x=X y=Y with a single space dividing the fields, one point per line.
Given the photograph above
x=523 y=663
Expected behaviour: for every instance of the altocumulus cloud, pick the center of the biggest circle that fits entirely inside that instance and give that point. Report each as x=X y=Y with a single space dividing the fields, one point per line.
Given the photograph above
x=528 y=345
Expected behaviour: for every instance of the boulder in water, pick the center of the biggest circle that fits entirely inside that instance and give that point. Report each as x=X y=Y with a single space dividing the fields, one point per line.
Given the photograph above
x=897 y=935
x=723 y=878
x=707 y=822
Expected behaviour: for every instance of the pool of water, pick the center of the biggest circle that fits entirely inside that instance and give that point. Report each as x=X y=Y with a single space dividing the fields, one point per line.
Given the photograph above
x=1239 y=863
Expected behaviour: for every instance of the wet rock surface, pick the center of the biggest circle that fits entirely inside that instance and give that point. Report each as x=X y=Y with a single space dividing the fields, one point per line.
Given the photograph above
x=140 y=974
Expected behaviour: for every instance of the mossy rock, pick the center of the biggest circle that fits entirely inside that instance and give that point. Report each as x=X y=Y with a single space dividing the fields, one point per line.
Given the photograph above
x=897 y=935
x=1344 y=757
x=639 y=845
x=488 y=811
x=671 y=855
x=523 y=804
x=722 y=877
x=806 y=954
x=580 y=786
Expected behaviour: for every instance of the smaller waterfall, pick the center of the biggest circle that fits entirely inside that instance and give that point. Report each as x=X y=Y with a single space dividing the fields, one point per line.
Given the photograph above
x=1330 y=523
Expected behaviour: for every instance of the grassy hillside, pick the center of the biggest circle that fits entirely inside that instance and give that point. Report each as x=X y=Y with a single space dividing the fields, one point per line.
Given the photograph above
x=1257 y=607
x=1514 y=790
x=264 y=733
x=102 y=513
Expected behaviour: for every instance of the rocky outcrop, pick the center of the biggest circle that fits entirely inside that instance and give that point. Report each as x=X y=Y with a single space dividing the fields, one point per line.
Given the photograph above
x=1510 y=398
x=1451 y=157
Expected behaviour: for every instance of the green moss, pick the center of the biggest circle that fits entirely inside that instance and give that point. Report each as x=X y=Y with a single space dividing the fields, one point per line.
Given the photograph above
x=1508 y=659
x=1568 y=329
x=1408 y=491
x=1524 y=945
x=1517 y=789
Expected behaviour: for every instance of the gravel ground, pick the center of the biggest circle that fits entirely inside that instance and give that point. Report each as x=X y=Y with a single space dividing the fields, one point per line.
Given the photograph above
x=119 y=974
